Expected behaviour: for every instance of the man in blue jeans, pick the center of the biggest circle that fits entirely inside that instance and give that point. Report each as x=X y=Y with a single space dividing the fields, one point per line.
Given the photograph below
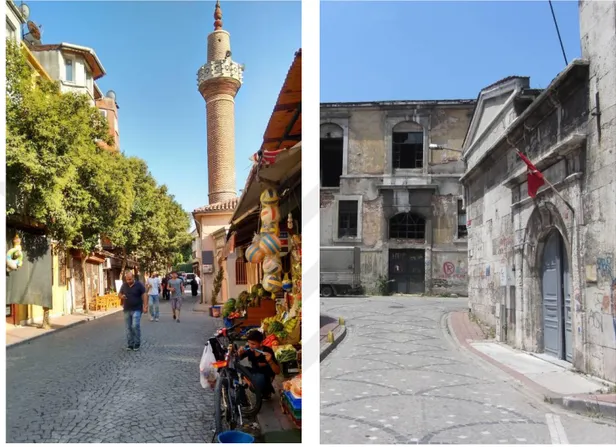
x=154 y=287
x=264 y=365
x=134 y=298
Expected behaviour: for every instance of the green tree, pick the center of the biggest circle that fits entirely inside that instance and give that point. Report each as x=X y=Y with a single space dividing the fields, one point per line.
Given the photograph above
x=57 y=174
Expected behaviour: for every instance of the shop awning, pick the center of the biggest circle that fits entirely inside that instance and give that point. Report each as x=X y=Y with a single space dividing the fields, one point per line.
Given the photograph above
x=283 y=133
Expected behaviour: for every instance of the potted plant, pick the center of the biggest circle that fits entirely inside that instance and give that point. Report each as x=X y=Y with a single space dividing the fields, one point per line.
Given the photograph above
x=215 y=308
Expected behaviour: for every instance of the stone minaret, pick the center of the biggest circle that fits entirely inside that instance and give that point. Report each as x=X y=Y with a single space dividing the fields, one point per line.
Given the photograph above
x=219 y=81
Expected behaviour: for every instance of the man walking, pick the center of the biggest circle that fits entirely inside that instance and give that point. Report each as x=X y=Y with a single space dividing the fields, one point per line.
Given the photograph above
x=154 y=293
x=133 y=296
x=176 y=286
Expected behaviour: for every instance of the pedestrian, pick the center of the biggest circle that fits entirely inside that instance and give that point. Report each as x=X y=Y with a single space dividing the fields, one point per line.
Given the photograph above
x=164 y=283
x=176 y=287
x=264 y=365
x=154 y=288
x=133 y=296
x=194 y=286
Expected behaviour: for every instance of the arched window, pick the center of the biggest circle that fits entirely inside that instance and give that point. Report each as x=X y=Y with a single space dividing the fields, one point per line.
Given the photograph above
x=407 y=146
x=332 y=139
x=240 y=271
x=407 y=226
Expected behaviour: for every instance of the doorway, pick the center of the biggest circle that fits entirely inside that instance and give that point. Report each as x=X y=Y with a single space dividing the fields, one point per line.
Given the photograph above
x=407 y=271
x=556 y=295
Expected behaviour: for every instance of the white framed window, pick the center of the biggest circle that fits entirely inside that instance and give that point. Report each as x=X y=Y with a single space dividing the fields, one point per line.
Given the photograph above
x=103 y=112
x=11 y=31
x=348 y=218
x=69 y=69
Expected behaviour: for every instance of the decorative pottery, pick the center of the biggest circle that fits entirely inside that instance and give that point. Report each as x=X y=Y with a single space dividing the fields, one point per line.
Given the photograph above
x=254 y=254
x=271 y=283
x=269 y=197
x=270 y=244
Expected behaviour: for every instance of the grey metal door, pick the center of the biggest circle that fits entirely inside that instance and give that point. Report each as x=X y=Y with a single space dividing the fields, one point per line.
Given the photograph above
x=556 y=291
x=407 y=271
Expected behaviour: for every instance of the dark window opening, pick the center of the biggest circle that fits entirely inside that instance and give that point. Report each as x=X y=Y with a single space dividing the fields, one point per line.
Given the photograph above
x=347 y=218
x=408 y=150
x=462 y=230
x=407 y=226
x=331 y=162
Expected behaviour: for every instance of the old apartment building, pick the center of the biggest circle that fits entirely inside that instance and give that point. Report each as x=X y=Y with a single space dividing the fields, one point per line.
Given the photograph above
x=390 y=184
x=541 y=269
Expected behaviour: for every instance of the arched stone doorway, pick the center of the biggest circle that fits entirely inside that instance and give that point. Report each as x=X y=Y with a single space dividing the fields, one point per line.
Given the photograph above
x=547 y=284
x=556 y=298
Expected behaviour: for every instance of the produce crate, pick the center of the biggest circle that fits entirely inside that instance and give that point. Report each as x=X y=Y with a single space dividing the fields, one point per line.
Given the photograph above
x=296 y=403
x=290 y=369
x=296 y=415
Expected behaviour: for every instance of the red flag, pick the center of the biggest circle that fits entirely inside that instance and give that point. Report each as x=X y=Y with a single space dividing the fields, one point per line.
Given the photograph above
x=535 y=178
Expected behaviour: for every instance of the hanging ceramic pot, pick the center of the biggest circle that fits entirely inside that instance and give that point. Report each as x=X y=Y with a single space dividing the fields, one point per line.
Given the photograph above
x=269 y=197
x=271 y=283
x=270 y=244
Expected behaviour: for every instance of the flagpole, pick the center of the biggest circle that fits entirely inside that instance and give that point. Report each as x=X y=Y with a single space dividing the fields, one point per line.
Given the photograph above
x=559 y=195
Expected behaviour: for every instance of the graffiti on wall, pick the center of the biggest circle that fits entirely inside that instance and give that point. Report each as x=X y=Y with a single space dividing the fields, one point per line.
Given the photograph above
x=504 y=243
x=454 y=271
x=606 y=302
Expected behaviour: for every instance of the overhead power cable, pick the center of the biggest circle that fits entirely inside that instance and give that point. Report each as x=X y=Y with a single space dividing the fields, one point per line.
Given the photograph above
x=562 y=47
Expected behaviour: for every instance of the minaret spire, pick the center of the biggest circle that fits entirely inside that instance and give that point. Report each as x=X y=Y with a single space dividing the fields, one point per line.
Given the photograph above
x=219 y=80
x=217 y=16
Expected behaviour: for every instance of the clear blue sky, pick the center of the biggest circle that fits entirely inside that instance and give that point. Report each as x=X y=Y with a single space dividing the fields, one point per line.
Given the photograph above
x=152 y=51
x=439 y=50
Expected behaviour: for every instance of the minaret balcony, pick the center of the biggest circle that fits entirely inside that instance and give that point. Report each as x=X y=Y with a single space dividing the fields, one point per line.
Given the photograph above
x=220 y=69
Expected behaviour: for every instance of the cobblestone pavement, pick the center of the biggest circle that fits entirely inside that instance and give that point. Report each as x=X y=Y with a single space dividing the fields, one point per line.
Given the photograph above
x=397 y=377
x=80 y=385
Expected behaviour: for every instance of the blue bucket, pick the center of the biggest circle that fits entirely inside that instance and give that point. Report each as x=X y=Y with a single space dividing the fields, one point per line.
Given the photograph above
x=235 y=437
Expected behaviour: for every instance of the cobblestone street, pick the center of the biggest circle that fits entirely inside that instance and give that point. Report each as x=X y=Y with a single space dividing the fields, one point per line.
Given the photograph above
x=80 y=385
x=397 y=377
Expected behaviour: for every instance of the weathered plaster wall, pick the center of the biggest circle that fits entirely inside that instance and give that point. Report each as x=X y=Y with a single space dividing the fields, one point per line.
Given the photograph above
x=366 y=143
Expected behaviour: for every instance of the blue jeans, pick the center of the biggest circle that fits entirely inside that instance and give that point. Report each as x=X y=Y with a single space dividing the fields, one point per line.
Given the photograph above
x=132 y=318
x=261 y=381
x=154 y=306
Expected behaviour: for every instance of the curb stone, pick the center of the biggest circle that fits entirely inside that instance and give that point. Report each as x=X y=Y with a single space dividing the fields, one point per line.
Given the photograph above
x=71 y=325
x=327 y=348
x=587 y=406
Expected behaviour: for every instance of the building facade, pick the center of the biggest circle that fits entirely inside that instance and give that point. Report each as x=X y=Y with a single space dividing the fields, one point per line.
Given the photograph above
x=390 y=184
x=541 y=268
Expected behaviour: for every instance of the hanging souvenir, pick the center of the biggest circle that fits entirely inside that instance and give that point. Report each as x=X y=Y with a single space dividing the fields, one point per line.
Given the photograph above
x=270 y=243
x=272 y=265
x=271 y=283
x=254 y=253
x=270 y=214
x=269 y=197
x=287 y=284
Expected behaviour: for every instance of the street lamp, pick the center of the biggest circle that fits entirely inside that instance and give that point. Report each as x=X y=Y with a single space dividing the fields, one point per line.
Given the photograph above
x=441 y=147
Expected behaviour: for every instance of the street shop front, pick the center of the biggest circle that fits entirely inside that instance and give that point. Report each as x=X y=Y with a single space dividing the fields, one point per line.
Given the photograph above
x=265 y=234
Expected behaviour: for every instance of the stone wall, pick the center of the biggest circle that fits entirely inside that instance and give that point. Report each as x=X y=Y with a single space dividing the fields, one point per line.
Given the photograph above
x=598 y=36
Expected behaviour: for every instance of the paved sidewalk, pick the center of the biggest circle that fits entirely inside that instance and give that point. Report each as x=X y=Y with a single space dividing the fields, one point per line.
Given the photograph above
x=16 y=335
x=554 y=380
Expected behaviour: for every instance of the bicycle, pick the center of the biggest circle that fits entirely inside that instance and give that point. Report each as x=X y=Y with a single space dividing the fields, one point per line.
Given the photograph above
x=233 y=390
x=230 y=335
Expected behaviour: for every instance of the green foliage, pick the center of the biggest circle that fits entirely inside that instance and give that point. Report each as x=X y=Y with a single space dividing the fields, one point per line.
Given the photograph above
x=58 y=175
x=217 y=285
